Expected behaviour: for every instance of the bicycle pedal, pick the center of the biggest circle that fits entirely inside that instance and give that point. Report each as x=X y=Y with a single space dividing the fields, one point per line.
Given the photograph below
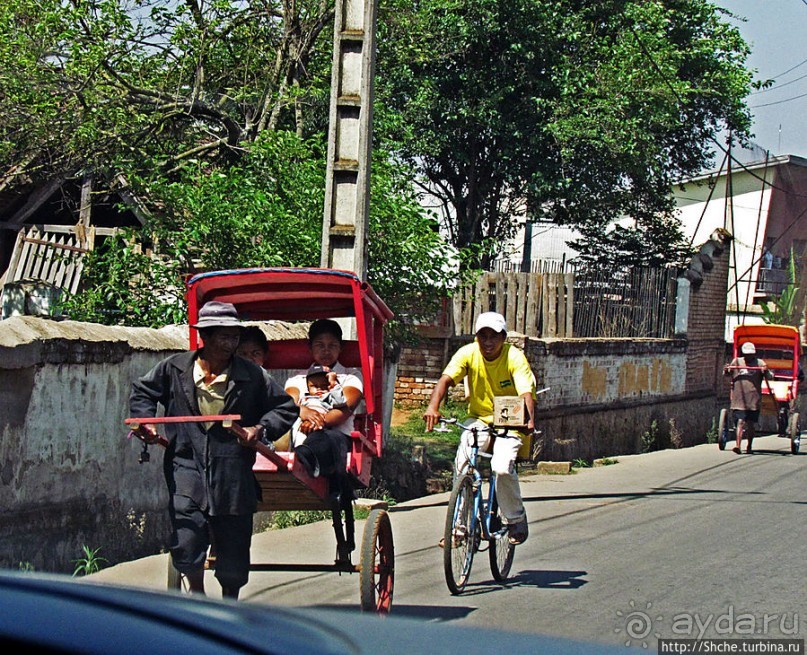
x=458 y=535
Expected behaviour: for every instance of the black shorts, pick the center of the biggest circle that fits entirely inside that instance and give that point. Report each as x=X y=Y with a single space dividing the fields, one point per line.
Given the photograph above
x=750 y=415
x=192 y=532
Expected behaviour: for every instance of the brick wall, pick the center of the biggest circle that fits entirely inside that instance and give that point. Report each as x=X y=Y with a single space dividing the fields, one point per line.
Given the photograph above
x=705 y=325
x=418 y=370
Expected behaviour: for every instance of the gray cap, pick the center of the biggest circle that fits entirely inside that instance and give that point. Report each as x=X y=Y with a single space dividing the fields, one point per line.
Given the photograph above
x=217 y=314
x=317 y=369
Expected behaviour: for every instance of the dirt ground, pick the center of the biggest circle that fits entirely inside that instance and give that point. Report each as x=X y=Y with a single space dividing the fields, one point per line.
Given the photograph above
x=399 y=416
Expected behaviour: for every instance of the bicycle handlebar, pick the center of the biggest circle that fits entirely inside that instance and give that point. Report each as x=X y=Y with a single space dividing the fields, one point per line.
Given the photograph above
x=504 y=432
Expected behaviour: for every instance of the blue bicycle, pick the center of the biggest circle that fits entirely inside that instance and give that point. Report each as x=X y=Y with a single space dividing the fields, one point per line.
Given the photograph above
x=474 y=519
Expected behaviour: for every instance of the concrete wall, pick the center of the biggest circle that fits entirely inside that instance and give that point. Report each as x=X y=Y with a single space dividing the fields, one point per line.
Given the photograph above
x=68 y=475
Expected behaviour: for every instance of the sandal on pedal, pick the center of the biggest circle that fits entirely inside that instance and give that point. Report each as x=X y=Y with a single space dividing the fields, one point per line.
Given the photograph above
x=518 y=532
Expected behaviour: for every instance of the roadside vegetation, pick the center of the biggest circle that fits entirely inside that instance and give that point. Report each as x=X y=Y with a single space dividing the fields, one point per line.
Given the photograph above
x=415 y=463
x=208 y=121
x=440 y=446
x=90 y=563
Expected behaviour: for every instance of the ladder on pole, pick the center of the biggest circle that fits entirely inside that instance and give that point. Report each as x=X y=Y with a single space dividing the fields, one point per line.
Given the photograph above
x=347 y=186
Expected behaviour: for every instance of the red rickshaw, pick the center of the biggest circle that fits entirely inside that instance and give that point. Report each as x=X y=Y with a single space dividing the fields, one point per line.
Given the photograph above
x=779 y=346
x=286 y=294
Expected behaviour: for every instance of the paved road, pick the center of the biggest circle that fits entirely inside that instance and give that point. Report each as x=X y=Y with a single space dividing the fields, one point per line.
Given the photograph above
x=661 y=544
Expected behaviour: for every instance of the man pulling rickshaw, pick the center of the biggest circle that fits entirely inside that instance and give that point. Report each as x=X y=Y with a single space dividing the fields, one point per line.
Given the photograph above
x=747 y=373
x=765 y=374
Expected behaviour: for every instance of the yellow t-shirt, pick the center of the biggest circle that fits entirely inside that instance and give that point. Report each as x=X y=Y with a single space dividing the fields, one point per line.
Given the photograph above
x=507 y=375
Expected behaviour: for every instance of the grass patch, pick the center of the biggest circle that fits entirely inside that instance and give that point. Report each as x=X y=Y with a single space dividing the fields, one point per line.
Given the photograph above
x=650 y=438
x=441 y=447
x=711 y=433
x=607 y=461
x=91 y=563
x=581 y=463
x=291 y=518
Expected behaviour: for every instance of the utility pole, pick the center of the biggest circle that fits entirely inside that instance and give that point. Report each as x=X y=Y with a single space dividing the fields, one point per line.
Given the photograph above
x=347 y=183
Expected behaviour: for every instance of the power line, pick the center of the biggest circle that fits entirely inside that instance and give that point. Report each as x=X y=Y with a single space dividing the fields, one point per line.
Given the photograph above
x=779 y=86
x=719 y=145
x=778 y=102
x=731 y=158
x=801 y=63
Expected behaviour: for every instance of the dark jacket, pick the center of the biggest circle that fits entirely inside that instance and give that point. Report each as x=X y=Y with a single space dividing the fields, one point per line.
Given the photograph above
x=210 y=466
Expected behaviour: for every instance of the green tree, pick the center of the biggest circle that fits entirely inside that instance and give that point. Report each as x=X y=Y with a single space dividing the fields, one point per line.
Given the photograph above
x=214 y=114
x=574 y=110
x=266 y=211
x=109 y=85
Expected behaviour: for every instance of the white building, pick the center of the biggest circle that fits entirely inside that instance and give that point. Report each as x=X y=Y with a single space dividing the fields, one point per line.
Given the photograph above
x=763 y=204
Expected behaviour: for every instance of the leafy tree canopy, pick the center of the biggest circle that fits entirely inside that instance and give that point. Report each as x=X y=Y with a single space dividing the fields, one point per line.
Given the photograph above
x=214 y=113
x=266 y=211
x=89 y=84
x=575 y=110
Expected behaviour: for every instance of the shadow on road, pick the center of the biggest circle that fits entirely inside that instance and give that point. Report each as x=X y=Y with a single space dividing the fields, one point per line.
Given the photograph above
x=435 y=613
x=655 y=493
x=549 y=579
x=538 y=579
x=412 y=508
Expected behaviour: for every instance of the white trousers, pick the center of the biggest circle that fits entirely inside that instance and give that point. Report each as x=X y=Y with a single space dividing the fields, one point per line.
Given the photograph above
x=503 y=464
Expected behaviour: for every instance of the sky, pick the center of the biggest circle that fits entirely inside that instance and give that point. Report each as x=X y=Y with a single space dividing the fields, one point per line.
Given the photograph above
x=775 y=30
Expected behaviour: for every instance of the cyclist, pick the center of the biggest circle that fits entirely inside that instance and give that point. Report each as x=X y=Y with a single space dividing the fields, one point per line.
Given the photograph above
x=494 y=368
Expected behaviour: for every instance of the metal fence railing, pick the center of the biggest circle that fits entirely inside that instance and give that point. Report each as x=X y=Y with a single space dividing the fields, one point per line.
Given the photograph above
x=635 y=302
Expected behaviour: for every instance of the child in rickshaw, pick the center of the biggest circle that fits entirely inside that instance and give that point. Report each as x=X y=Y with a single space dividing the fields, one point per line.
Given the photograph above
x=747 y=373
x=253 y=344
x=323 y=438
x=324 y=393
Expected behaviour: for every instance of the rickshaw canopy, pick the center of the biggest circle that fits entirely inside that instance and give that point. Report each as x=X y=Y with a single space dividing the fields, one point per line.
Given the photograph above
x=284 y=294
x=287 y=294
x=779 y=346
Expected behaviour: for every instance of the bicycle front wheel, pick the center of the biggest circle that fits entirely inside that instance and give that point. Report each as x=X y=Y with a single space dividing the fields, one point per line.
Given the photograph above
x=458 y=537
x=500 y=551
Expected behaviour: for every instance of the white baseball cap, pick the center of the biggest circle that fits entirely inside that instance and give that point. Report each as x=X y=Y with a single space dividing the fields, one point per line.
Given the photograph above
x=491 y=320
x=748 y=348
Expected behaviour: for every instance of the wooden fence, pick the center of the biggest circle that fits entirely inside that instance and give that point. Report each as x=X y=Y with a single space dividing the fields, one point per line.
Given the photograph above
x=50 y=257
x=535 y=304
x=46 y=262
x=635 y=302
